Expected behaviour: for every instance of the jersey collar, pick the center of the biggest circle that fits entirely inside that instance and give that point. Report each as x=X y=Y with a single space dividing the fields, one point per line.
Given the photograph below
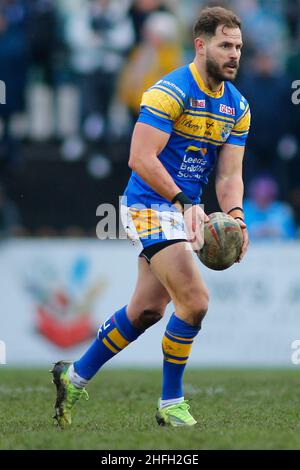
x=201 y=84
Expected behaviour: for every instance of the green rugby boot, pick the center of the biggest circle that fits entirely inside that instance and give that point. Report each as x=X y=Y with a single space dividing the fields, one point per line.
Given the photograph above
x=67 y=394
x=175 y=415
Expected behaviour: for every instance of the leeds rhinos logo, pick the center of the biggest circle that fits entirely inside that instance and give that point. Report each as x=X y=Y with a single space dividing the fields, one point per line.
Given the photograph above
x=2 y=92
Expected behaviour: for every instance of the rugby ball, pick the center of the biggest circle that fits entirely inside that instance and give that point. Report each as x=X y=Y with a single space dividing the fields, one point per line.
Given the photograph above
x=223 y=241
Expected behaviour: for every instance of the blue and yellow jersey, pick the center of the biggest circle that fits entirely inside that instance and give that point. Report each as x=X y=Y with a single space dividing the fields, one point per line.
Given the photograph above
x=199 y=122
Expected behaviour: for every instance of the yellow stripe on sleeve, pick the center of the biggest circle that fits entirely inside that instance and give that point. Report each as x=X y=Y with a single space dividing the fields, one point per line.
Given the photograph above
x=239 y=134
x=161 y=101
x=244 y=124
x=161 y=87
x=157 y=113
x=243 y=114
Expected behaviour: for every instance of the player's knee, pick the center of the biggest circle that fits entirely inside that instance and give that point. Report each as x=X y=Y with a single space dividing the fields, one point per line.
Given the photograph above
x=197 y=316
x=149 y=316
x=153 y=316
x=197 y=308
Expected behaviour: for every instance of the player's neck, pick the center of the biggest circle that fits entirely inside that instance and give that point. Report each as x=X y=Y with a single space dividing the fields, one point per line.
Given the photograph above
x=208 y=81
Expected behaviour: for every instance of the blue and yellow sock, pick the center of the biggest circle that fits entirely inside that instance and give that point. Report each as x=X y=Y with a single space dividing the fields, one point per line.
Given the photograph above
x=113 y=336
x=176 y=345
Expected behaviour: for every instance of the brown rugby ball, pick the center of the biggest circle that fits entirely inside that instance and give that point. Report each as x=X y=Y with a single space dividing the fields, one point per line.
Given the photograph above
x=223 y=241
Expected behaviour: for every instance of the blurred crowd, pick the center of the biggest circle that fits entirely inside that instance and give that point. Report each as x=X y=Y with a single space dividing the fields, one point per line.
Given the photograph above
x=75 y=71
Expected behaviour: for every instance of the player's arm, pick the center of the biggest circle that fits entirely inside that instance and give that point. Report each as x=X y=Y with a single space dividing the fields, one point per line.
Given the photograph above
x=230 y=186
x=147 y=143
x=161 y=105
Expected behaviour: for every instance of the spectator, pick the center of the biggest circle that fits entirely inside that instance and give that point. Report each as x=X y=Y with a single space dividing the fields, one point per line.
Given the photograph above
x=42 y=37
x=264 y=27
x=140 y=11
x=269 y=93
x=292 y=14
x=266 y=217
x=157 y=55
x=99 y=35
x=14 y=62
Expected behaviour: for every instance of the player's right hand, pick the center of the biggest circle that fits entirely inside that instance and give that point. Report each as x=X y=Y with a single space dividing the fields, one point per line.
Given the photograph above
x=194 y=219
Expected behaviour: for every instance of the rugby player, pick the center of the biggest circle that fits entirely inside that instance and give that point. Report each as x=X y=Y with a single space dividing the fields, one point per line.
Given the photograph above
x=190 y=120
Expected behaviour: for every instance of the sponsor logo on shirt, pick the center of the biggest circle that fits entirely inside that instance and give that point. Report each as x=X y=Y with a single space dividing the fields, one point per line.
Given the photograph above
x=197 y=103
x=195 y=164
x=227 y=110
x=190 y=124
x=172 y=85
x=209 y=126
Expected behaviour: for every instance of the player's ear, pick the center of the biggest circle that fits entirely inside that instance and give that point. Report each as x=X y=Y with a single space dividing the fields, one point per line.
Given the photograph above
x=199 y=45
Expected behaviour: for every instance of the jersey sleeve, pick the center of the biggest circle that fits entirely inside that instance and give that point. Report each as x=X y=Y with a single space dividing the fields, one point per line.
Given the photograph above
x=241 y=128
x=162 y=105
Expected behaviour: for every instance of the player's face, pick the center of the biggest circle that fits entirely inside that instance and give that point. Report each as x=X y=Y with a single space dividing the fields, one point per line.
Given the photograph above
x=223 y=53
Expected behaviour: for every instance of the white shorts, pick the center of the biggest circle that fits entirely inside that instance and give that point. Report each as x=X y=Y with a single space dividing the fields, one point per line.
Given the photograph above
x=146 y=227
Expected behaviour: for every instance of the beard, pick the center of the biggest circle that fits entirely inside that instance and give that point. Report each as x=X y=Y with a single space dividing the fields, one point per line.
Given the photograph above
x=218 y=73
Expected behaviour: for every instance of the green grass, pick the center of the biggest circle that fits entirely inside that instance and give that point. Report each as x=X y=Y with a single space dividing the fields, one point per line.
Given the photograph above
x=235 y=410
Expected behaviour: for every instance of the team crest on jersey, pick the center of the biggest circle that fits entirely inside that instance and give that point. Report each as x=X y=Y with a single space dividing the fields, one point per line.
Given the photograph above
x=227 y=110
x=226 y=130
x=197 y=103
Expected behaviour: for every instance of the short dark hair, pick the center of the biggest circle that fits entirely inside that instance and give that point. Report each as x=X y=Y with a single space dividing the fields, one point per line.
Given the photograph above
x=212 y=17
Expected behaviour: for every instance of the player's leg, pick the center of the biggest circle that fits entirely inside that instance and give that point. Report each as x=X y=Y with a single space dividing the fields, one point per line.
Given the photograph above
x=124 y=326
x=177 y=270
x=148 y=303
x=146 y=307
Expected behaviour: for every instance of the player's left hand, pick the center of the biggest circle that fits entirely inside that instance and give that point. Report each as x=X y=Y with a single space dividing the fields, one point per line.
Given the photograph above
x=246 y=240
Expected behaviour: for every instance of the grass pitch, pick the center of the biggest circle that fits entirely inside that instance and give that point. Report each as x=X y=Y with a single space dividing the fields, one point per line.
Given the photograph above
x=235 y=410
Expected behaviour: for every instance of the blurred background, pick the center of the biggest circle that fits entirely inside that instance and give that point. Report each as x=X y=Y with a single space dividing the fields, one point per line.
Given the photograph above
x=75 y=71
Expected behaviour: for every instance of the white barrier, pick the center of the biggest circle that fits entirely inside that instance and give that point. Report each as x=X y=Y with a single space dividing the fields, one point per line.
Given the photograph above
x=55 y=294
